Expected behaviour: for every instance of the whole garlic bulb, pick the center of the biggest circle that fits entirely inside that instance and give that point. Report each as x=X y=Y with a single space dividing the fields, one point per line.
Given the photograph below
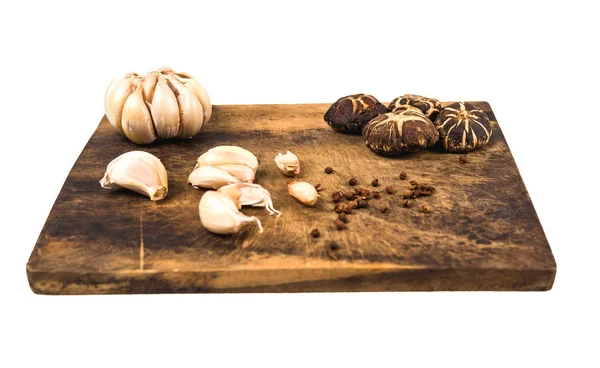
x=161 y=105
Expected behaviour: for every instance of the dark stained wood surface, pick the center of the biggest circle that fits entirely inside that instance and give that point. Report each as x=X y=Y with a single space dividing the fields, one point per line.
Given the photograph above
x=482 y=232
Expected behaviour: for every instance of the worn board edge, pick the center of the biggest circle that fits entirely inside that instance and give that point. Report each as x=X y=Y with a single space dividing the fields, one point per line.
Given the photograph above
x=376 y=280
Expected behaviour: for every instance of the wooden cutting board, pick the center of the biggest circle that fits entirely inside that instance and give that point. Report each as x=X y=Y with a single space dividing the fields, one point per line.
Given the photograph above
x=482 y=232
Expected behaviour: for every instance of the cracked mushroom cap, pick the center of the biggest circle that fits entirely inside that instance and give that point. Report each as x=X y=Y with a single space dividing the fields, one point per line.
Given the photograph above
x=463 y=127
x=351 y=113
x=428 y=106
x=401 y=131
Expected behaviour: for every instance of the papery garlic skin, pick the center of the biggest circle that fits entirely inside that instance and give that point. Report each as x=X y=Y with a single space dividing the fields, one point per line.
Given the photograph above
x=289 y=164
x=175 y=103
x=210 y=177
x=138 y=171
x=249 y=194
x=190 y=109
x=196 y=88
x=164 y=109
x=219 y=214
x=304 y=192
x=116 y=95
x=136 y=120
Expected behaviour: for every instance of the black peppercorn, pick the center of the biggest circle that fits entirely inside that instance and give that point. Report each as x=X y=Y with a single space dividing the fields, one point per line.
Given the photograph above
x=329 y=170
x=315 y=233
x=339 y=224
x=390 y=190
x=462 y=159
x=353 y=181
x=402 y=175
x=343 y=218
x=375 y=183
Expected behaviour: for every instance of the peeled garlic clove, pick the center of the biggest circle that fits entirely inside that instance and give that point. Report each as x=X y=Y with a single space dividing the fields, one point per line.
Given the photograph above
x=138 y=171
x=199 y=91
x=303 y=192
x=148 y=86
x=210 y=177
x=136 y=120
x=116 y=94
x=164 y=110
x=288 y=163
x=241 y=172
x=219 y=214
x=250 y=195
x=226 y=155
x=190 y=108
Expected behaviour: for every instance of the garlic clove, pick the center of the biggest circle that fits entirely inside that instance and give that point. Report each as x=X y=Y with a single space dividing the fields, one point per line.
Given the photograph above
x=164 y=110
x=190 y=108
x=250 y=195
x=136 y=120
x=199 y=91
x=210 y=177
x=225 y=155
x=288 y=163
x=303 y=192
x=219 y=214
x=116 y=94
x=139 y=171
x=149 y=85
x=241 y=172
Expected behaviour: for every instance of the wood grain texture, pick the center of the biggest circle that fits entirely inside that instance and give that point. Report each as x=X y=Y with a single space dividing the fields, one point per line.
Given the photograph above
x=482 y=232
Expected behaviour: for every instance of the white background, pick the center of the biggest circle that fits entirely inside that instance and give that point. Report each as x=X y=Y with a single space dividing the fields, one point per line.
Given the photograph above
x=537 y=65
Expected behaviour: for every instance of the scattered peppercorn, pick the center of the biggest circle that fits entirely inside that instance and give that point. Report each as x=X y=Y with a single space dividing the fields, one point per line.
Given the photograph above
x=462 y=159
x=390 y=189
x=339 y=224
x=315 y=233
x=407 y=193
x=406 y=203
x=329 y=170
x=332 y=247
x=343 y=218
x=361 y=203
x=347 y=209
x=384 y=208
x=318 y=187
x=403 y=175
x=337 y=196
x=349 y=196
x=413 y=183
x=338 y=208
x=353 y=181
x=425 y=208
x=376 y=195
x=375 y=183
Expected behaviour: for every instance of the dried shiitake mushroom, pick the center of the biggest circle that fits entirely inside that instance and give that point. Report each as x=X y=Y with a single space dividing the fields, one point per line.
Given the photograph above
x=428 y=106
x=463 y=127
x=351 y=113
x=397 y=132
